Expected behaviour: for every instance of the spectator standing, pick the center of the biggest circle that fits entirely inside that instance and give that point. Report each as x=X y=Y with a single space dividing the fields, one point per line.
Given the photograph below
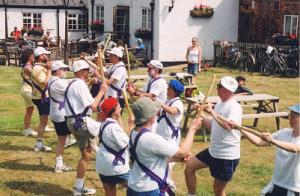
x=194 y=57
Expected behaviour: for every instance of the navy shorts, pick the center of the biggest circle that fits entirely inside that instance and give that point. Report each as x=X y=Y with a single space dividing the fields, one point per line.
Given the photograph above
x=61 y=128
x=114 y=179
x=193 y=68
x=43 y=107
x=221 y=169
x=280 y=191
x=131 y=192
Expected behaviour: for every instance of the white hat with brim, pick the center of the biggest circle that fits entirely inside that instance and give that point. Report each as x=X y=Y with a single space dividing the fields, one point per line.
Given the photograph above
x=229 y=83
x=40 y=50
x=58 y=65
x=80 y=65
x=116 y=51
x=155 y=63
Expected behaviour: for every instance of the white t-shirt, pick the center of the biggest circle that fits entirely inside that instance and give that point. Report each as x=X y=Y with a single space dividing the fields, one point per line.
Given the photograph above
x=154 y=152
x=226 y=144
x=193 y=55
x=57 y=91
x=287 y=164
x=115 y=137
x=163 y=129
x=159 y=88
x=120 y=75
x=79 y=97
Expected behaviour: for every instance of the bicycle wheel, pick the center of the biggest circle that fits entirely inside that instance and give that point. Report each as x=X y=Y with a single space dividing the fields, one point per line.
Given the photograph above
x=249 y=63
x=291 y=73
x=268 y=67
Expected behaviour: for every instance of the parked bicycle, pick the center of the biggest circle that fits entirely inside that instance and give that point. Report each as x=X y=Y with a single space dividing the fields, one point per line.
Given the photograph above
x=275 y=63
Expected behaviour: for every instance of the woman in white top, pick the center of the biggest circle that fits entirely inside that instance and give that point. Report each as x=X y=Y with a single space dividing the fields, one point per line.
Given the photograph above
x=193 y=57
x=286 y=177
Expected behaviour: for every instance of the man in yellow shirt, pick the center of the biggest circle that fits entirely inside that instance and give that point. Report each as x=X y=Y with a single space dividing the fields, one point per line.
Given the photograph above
x=41 y=73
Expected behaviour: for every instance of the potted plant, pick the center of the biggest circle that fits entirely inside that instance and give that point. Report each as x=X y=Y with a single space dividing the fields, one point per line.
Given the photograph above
x=36 y=31
x=202 y=11
x=143 y=33
x=97 y=25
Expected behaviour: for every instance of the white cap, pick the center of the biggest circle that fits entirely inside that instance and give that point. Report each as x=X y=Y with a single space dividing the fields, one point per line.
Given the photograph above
x=229 y=83
x=79 y=65
x=116 y=51
x=58 y=65
x=156 y=63
x=40 y=50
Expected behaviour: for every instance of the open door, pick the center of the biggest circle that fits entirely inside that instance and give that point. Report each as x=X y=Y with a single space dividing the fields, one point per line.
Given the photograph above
x=121 y=24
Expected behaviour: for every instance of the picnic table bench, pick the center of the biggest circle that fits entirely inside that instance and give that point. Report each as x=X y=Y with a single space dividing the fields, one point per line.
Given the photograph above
x=266 y=107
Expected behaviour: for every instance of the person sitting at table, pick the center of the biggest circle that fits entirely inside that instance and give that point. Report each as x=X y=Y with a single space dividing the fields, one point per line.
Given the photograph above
x=49 y=39
x=16 y=34
x=242 y=90
x=286 y=177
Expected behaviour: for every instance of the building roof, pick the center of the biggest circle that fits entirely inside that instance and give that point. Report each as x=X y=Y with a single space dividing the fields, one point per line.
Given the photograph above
x=72 y=3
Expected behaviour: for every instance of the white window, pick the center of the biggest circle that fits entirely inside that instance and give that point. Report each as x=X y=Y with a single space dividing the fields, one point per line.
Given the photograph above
x=100 y=13
x=146 y=18
x=276 y=4
x=32 y=20
x=290 y=26
x=76 y=22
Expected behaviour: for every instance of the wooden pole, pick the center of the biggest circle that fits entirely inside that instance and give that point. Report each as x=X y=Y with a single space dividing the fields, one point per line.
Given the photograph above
x=127 y=103
x=106 y=43
x=128 y=62
x=100 y=65
x=199 y=113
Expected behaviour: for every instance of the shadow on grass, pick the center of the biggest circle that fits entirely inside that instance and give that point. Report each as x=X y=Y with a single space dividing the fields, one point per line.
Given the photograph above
x=37 y=188
x=16 y=165
x=9 y=147
x=10 y=133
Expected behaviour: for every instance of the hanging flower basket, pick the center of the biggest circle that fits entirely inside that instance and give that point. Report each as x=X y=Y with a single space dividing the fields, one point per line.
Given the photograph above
x=36 y=32
x=143 y=33
x=97 y=26
x=202 y=11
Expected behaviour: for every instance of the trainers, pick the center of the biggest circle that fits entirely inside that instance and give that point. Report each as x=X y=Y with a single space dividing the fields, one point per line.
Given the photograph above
x=61 y=169
x=44 y=148
x=83 y=191
x=48 y=129
x=29 y=132
x=70 y=142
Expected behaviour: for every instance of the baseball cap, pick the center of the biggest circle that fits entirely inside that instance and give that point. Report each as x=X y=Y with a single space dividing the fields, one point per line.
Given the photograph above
x=143 y=109
x=79 y=65
x=295 y=108
x=40 y=50
x=108 y=104
x=116 y=51
x=229 y=83
x=156 y=64
x=58 y=65
x=177 y=86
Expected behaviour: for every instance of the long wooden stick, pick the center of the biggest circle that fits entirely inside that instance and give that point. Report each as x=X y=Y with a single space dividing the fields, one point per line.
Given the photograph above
x=100 y=65
x=106 y=43
x=199 y=113
x=128 y=62
x=127 y=103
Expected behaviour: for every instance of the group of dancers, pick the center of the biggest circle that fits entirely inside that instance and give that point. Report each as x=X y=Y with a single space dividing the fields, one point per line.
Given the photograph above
x=140 y=156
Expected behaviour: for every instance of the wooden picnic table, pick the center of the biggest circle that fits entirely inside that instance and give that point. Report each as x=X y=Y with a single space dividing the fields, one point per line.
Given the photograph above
x=267 y=107
x=188 y=78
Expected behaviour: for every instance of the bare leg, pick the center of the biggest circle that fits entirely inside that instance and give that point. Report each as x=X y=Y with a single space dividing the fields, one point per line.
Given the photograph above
x=42 y=125
x=27 y=117
x=61 y=140
x=192 y=166
x=83 y=162
x=219 y=187
x=110 y=189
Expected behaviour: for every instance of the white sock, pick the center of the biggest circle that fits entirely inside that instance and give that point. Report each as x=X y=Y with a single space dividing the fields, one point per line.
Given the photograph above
x=191 y=194
x=79 y=183
x=59 y=161
x=39 y=142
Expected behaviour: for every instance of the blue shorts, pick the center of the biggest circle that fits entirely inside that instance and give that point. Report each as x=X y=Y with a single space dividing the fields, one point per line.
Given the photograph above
x=114 y=179
x=43 y=107
x=61 y=128
x=131 y=192
x=193 y=68
x=221 y=169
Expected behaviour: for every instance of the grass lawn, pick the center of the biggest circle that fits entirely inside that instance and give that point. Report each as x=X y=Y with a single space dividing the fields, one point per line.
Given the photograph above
x=24 y=172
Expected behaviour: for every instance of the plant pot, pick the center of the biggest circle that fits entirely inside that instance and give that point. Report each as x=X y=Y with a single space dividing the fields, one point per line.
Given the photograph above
x=97 y=28
x=143 y=35
x=200 y=14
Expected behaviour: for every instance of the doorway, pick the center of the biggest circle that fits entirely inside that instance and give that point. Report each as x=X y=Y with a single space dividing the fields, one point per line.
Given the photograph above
x=121 y=24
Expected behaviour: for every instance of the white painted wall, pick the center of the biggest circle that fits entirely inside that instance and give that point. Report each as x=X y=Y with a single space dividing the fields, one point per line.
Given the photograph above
x=49 y=21
x=174 y=30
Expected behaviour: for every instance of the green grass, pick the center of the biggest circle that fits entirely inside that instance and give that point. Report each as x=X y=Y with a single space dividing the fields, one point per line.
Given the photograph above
x=24 y=172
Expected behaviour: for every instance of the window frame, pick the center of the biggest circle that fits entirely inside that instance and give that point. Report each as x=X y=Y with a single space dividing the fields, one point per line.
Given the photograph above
x=32 y=21
x=99 y=14
x=77 y=22
x=291 y=24
x=146 y=18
